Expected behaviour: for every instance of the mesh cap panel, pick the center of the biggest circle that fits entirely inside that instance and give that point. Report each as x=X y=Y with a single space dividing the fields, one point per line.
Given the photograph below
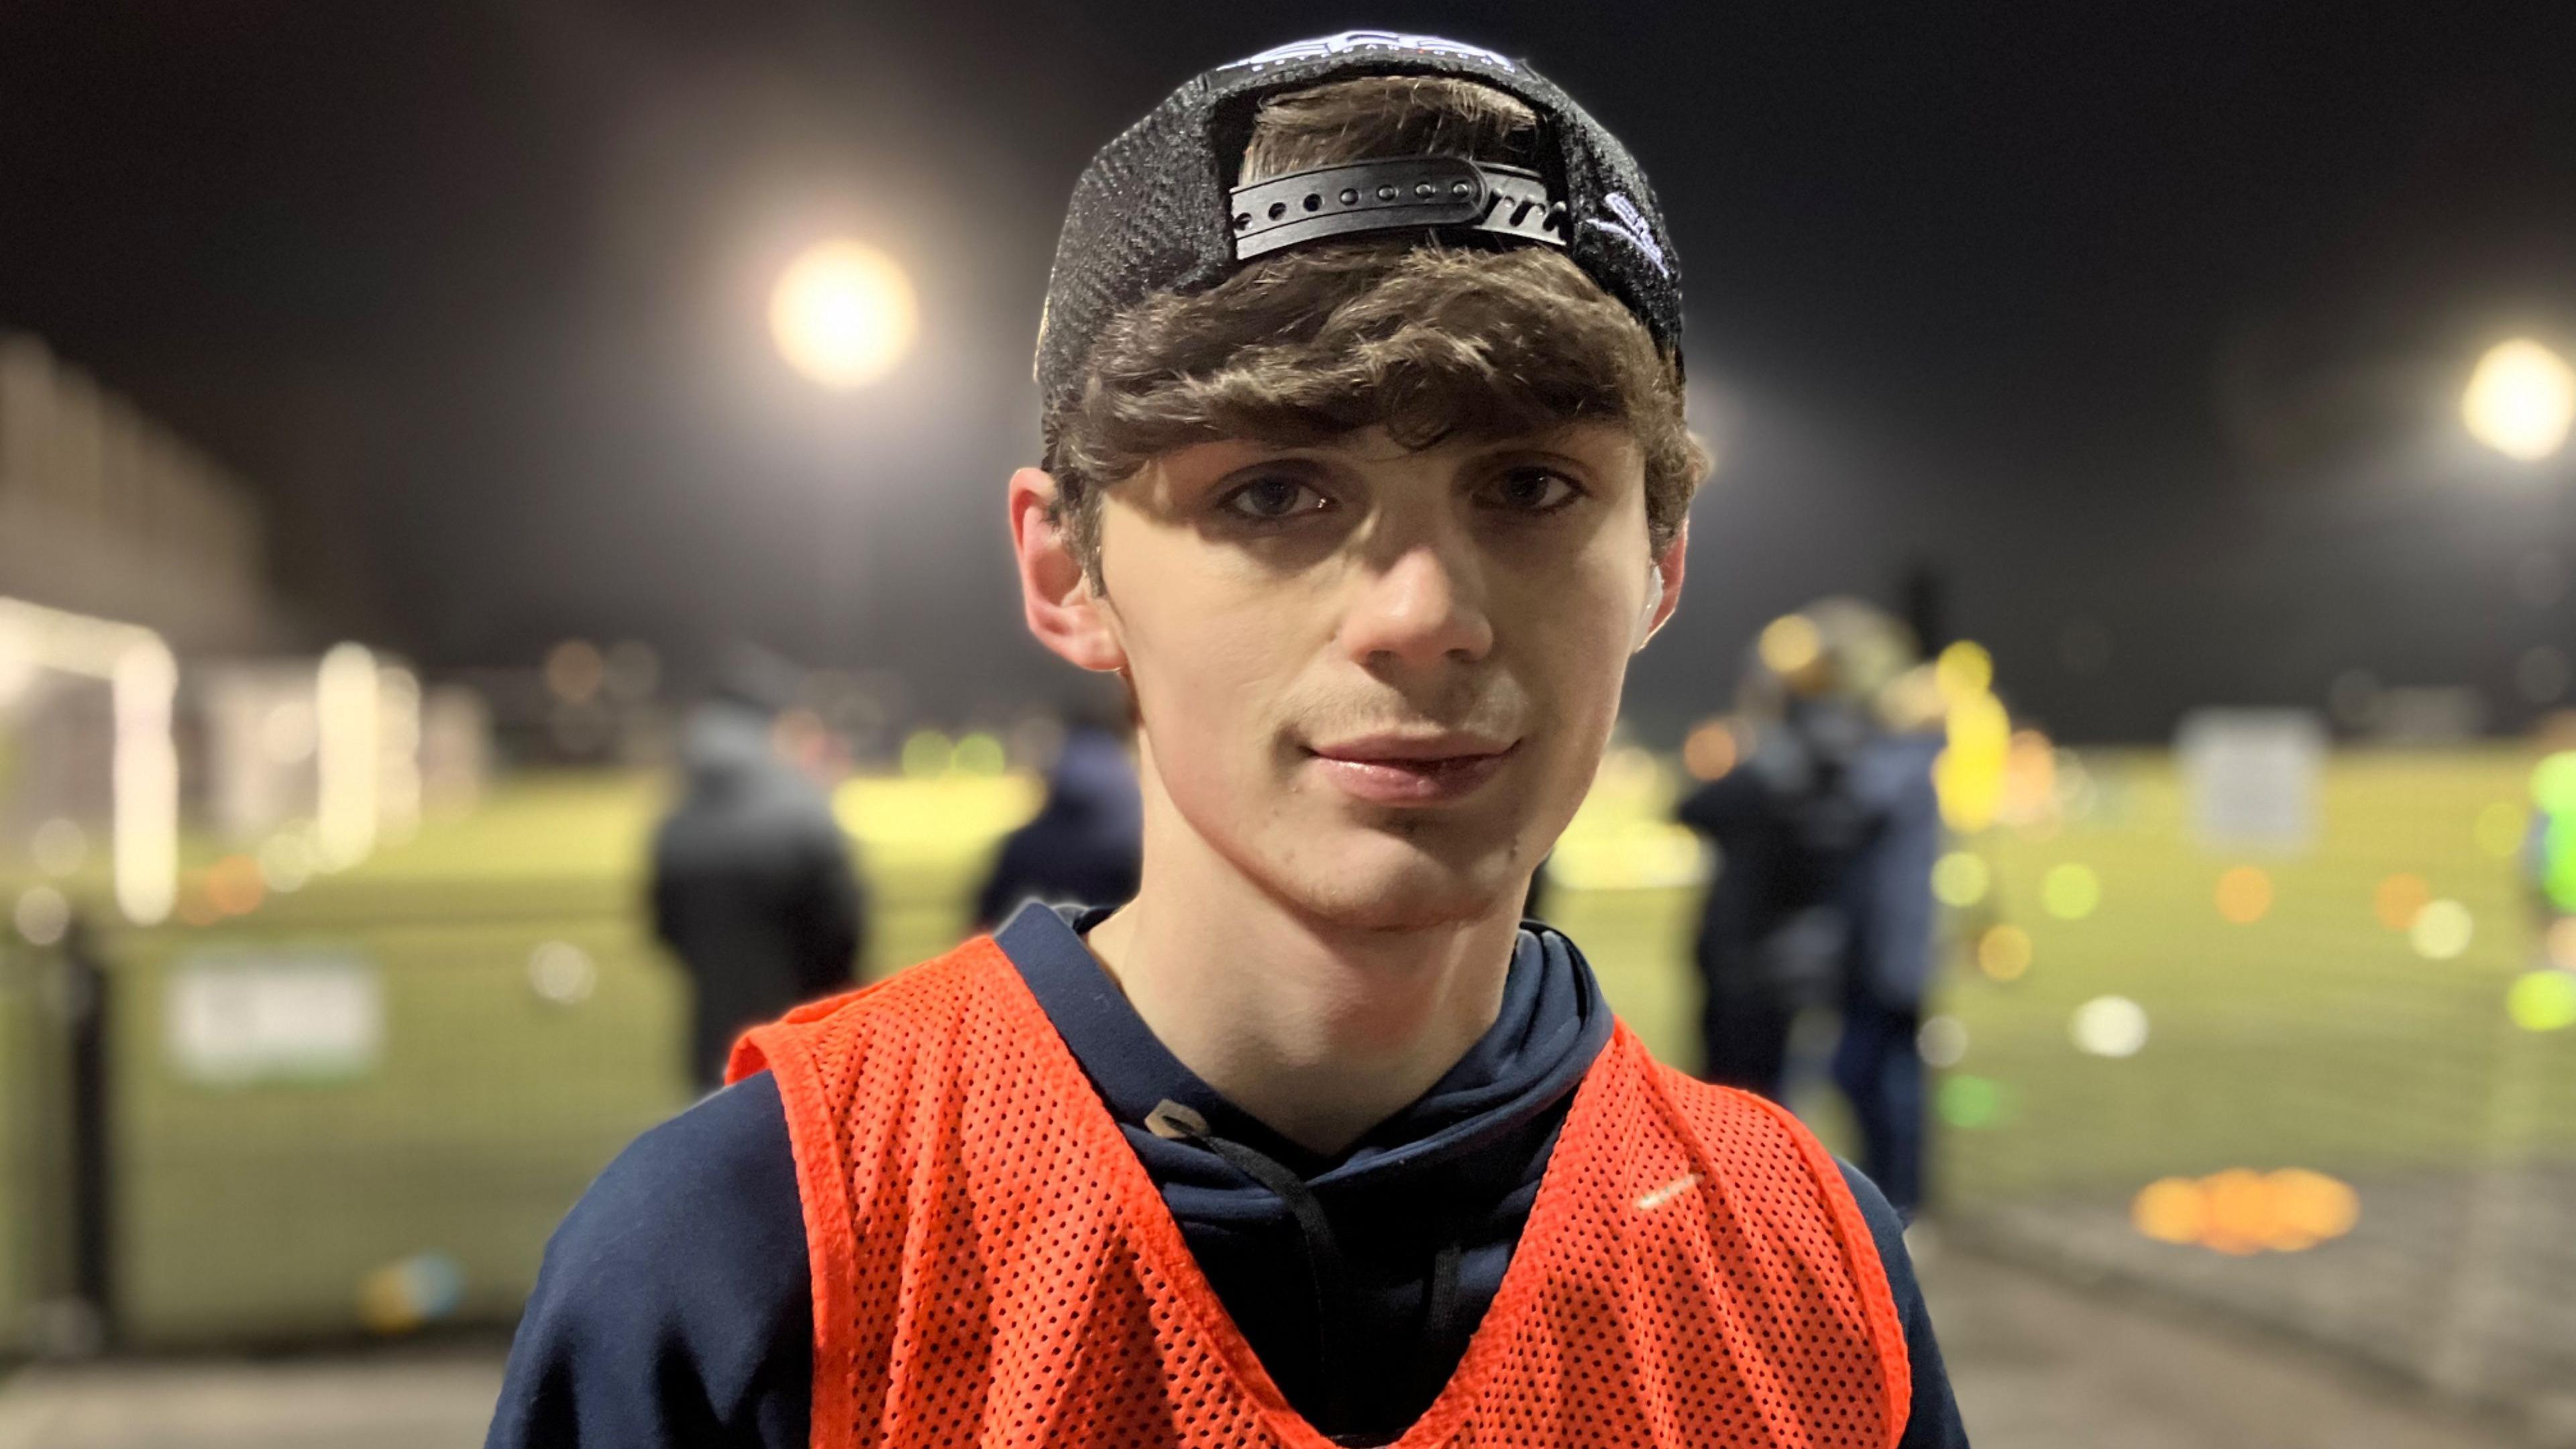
x=1151 y=213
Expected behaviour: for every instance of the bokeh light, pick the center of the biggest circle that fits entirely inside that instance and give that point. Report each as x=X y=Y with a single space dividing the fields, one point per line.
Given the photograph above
x=843 y=314
x=2499 y=829
x=287 y=862
x=42 y=916
x=2244 y=895
x=562 y=973
x=1972 y=1102
x=2553 y=783
x=234 y=885
x=2397 y=898
x=2542 y=1000
x=2558 y=943
x=1790 y=644
x=926 y=754
x=1961 y=878
x=979 y=754
x=2442 y=930
x=2003 y=952
x=2070 y=891
x=1712 y=750
x=2520 y=400
x=2170 y=1210
x=403 y=1296
x=575 y=669
x=1942 y=1041
x=2109 y=1026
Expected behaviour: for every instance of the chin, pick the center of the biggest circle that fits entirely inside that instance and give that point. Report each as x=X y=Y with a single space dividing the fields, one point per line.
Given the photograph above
x=1391 y=884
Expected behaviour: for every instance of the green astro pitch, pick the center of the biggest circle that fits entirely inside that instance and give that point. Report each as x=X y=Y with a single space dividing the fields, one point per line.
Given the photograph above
x=2310 y=1032
x=2297 y=1087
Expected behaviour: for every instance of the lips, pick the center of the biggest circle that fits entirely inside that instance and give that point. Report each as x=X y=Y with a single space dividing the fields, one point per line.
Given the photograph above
x=1414 y=770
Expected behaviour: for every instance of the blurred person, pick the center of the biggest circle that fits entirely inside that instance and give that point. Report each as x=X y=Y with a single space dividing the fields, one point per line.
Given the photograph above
x=1369 y=518
x=1826 y=834
x=753 y=888
x=1087 y=841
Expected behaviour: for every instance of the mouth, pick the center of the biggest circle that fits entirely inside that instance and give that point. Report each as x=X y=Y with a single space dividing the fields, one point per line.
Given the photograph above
x=1412 y=769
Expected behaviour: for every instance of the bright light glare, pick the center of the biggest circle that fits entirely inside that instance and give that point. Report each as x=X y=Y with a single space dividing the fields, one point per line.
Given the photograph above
x=349 y=766
x=843 y=314
x=2109 y=1026
x=2442 y=930
x=2520 y=400
x=145 y=842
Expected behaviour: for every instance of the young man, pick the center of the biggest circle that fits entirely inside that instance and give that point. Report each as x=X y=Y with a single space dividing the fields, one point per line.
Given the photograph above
x=1366 y=471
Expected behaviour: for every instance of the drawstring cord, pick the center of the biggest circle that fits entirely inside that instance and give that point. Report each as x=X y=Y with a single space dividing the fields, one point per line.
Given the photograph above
x=1323 y=1253
x=1326 y=1272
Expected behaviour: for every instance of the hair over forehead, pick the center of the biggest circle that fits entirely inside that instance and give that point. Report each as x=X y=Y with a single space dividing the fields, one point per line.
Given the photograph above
x=1427 y=341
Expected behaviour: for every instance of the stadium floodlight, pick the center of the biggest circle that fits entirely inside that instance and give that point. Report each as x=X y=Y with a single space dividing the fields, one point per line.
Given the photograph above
x=843 y=314
x=2521 y=400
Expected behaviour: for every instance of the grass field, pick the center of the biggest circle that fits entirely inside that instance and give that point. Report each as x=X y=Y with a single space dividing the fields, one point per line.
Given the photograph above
x=2314 y=1036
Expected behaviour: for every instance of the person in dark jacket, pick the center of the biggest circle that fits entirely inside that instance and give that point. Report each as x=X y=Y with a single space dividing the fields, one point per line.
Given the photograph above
x=753 y=885
x=1825 y=837
x=1086 y=843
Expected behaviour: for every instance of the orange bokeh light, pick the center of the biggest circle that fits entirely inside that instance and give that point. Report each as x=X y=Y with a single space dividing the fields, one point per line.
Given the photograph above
x=1711 y=750
x=2004 y=953
x=234 y=885
x=2245 y=895
x=2241 y=1212
x=2396 y=900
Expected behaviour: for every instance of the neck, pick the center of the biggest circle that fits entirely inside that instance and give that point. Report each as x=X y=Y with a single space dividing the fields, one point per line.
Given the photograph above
x=1320 y=1029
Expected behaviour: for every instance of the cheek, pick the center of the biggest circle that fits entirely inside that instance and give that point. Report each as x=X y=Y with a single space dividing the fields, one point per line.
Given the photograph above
x=1207 y=670
x=1577 y=637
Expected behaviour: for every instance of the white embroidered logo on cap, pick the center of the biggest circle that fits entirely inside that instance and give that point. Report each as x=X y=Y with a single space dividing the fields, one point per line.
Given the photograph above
x=1631 y=227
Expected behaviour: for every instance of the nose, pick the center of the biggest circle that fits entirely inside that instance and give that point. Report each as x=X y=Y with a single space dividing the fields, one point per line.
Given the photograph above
x=1423 y=608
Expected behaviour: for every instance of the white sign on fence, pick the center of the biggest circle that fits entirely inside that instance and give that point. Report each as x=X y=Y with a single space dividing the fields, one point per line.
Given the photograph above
x=2250 y=776
x=232 y=1017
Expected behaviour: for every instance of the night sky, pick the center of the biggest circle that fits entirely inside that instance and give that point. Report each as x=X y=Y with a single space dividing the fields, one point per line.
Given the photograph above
x=2138 y=331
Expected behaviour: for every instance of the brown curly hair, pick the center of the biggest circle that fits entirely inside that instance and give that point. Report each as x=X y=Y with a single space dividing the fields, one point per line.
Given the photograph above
x=1428 y=341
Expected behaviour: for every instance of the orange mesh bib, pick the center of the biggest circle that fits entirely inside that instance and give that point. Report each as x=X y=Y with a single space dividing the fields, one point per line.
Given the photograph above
x=992 y=1265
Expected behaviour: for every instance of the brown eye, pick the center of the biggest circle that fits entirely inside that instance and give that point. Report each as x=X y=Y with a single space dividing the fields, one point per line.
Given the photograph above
x=1272 y=499
x=1534 y=490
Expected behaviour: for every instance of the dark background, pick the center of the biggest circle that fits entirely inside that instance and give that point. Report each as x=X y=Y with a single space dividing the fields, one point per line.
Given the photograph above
x=2142 y=331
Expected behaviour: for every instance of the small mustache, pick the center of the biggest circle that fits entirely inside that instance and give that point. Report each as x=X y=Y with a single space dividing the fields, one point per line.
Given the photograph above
x=1494 y=708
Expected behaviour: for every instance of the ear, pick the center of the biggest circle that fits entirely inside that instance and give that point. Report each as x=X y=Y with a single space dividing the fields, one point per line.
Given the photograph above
x=1667 y=595
x=1063 y=611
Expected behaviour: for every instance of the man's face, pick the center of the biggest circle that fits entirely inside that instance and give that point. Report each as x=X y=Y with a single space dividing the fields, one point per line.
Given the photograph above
x=1377 y=681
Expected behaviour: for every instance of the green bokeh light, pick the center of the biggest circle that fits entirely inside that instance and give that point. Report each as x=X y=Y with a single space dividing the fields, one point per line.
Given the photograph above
x=1972 y=1102
x=2542 y=1001
x=2070 y=891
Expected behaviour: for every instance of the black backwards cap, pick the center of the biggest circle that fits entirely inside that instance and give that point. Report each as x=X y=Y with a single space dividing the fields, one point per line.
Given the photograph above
x=1157 y=210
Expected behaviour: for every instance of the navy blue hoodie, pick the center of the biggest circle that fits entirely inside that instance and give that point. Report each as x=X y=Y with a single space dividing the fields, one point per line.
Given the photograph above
x=674 y=1307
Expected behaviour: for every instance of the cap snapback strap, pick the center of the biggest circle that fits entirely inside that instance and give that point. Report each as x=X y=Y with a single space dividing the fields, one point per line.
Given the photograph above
x=1400 y=193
